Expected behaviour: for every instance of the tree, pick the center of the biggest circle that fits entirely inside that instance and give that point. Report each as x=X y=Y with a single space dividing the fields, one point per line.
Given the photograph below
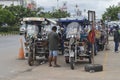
x=60 y=14
x=19 y=12
x=111 y=13
x=6 y=17
x=55 y=14
x=1 y=6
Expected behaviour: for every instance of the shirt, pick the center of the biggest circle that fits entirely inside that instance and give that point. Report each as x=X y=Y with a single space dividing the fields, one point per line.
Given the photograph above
x=53 y=40
x=116 y=36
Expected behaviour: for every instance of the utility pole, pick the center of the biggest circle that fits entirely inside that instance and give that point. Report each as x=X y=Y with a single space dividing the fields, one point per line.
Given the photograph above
x=92 y=67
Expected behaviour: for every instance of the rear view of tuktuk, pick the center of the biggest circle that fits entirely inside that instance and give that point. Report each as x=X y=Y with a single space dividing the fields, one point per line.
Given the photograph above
x=75 y=40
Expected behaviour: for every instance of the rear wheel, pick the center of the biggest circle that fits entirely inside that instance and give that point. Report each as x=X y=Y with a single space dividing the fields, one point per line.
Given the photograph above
x=46 y=56
x=72 y=64
x=67 y=59
x=30 y=59
x=90 y=59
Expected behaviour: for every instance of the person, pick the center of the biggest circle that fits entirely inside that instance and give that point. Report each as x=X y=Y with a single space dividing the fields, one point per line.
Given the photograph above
x=116 y=39
x=53 y=40
x=92 y=41
x=111 y=31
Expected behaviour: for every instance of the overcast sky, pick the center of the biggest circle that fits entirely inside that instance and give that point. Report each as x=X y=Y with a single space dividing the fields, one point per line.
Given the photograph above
x=97 y=5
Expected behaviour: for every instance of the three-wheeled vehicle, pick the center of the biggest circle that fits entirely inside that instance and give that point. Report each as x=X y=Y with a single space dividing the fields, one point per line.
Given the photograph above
x=75 y=40
x=36 y=38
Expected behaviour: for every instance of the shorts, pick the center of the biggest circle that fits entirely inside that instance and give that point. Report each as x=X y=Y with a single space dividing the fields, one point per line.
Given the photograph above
x=53 y=53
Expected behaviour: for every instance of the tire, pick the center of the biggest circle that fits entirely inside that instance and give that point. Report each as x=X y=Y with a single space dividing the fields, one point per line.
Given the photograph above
x=93 y=68
x=34 y=52
x=102 y=47
x=46 y=56
x=72 y=64
x=26 y=54
x=67 y=59
x=30 y=59
x=90 y=60
x=20 y=33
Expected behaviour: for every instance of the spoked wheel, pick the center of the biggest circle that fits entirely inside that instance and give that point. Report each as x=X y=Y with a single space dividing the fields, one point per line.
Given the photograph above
x=72 y=64
x=30 y=59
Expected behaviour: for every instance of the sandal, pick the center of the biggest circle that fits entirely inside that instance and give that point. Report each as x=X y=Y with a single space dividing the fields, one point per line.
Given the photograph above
x=50 y=65
x=57 y=66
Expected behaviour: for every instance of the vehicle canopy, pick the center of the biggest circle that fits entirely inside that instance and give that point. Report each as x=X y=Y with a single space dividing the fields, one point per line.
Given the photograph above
x=33 y=25
x=74 y=26
x=33 y=19
x=66 y=21
x=38 y=20
x=38 y=25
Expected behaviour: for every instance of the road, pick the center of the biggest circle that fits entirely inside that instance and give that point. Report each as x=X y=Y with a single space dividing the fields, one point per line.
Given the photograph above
x=9 y=63
x=13 y=69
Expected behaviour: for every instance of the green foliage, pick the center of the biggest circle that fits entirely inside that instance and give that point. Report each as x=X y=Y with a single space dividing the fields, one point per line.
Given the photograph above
x=60 y=14
x=12 y=15
x=9 y=29
x=19 y=12
x=111 y=13
x=55 y=14
x=1 y=6
x=6 y=17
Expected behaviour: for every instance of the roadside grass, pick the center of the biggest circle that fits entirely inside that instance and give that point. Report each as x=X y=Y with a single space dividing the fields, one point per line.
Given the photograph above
x=9 y=33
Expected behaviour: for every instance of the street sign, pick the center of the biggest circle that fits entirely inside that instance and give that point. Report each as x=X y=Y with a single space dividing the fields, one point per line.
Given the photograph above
x=91 y=16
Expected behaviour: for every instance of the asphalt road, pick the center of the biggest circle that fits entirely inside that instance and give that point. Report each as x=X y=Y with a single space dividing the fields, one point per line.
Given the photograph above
x=9 y=63
x=13 y=69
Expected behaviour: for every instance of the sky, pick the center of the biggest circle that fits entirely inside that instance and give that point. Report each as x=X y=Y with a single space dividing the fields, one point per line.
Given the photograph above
x=99 y=6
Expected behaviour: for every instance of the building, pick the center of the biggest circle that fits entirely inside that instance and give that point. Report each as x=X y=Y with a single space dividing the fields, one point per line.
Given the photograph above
x=31 y=4
x=9 y=2
x=26 y=3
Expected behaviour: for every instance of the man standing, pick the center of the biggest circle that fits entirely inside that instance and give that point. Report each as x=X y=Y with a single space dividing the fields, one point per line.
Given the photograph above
x=53 y=40
x=116 y=38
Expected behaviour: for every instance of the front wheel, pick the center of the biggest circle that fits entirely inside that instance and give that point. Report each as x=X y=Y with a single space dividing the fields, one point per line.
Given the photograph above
x=72 y=64
x=30 y=59
x=67 y=59
x=90 y=60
